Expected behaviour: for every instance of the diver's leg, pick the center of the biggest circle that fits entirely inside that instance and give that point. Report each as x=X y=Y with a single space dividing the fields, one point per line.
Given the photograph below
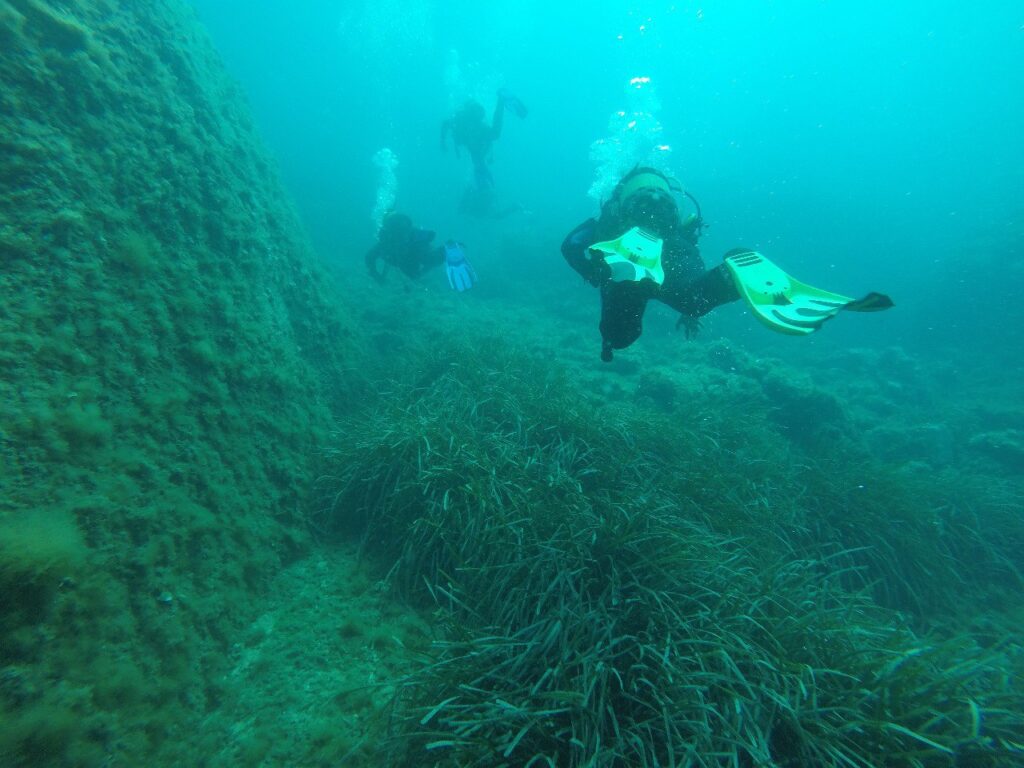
x=498 y=119
x=696 y=298
x=482 y=176
x=427 y=257
x=622 y=312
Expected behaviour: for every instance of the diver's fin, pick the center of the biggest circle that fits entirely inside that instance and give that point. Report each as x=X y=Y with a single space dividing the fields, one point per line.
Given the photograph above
x=513 y=103
x=633 y=256
x=787 y=305
x=873 y=302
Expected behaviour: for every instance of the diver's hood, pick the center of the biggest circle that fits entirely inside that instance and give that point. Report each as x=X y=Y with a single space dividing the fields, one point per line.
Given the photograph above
x=396 y=230
x=642 y=178
x=395 y=223
x=645 y=198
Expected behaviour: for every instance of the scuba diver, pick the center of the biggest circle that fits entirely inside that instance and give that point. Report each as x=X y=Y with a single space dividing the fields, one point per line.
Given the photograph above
x=468 y=130
x=409 y=248
x=640 y=248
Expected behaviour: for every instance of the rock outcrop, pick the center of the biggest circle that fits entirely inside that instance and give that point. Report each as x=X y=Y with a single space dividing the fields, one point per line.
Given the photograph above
x=169 y=363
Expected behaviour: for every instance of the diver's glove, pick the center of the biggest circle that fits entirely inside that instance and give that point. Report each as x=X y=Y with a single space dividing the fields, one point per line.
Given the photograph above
x=461 y=275
x=513 y=103
x=691 y=325
x=600 y=270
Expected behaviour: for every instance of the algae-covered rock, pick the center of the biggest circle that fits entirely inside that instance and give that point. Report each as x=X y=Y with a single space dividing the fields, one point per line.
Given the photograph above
x=658 y=388
x=1005 y=446
x=804 y=412
x=934 y=444
x=170 y=363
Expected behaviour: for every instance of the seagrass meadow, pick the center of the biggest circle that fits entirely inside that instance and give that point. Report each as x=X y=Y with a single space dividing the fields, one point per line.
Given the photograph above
x=258 y=510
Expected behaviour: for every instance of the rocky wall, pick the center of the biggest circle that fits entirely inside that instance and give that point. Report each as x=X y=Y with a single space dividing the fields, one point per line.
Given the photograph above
x=170 y=363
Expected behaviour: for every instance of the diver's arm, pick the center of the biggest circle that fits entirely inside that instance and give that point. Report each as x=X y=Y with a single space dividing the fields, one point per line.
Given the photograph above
x=497 y=120
x=448 y=126
x=372 y=256
x=574 y=249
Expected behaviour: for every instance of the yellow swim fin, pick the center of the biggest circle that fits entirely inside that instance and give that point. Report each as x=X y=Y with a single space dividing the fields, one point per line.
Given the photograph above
x=636 y=255
x=786 y=305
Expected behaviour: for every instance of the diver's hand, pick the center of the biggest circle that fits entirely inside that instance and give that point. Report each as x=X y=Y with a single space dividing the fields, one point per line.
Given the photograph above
x=600 y=270
x=691 y=325
x=372 y=258
x=461 y=275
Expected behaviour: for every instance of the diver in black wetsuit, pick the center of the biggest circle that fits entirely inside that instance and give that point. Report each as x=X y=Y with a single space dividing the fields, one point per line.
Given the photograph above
x=644 y=198
x=400 y=244
x=468 y=130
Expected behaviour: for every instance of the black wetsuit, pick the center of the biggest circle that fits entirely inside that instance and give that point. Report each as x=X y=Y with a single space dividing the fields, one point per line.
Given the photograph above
x=469 y=130
x=402 y=245
x=689 y=288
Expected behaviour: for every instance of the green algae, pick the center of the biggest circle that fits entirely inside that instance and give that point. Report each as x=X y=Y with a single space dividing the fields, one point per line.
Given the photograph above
x=618 y=587
x=159 y=301
x=39 y=555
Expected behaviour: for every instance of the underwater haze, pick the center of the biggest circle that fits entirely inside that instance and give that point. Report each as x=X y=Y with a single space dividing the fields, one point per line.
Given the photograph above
x=876 y=145
x=511 y=384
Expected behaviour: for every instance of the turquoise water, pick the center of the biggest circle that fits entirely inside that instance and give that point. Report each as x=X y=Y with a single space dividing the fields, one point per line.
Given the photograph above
x=866 y=146
x=258 y=508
